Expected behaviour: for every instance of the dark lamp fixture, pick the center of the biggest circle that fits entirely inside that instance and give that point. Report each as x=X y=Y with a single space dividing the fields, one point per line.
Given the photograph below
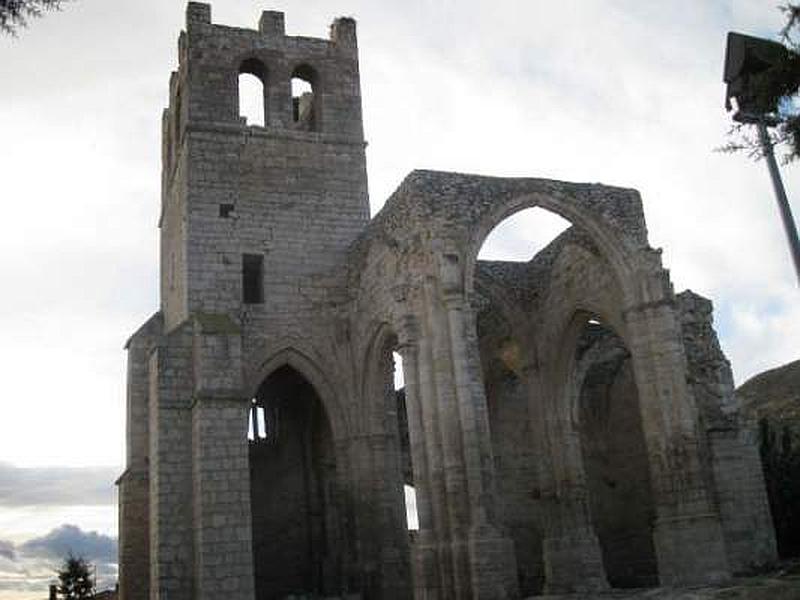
x=749 y=62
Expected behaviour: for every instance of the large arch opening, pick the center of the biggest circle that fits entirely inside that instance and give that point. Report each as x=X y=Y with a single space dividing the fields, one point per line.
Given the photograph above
x=507 y=271
x=533 y=268
x=614 y=454
x=297 y=543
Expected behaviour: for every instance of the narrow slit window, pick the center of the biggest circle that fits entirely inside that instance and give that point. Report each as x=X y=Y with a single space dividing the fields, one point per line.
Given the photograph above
x=257 y=423
x=252 y=424
x=252 y=278
x=412 y=518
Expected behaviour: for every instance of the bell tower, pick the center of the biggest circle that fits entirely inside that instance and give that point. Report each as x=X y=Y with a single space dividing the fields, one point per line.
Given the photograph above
x=248 y=209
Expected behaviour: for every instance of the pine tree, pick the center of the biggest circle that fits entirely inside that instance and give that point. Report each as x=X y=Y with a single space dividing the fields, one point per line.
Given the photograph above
x=75 y=581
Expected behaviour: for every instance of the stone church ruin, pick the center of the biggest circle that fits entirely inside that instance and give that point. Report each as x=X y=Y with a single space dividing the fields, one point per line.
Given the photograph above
x=565 y=424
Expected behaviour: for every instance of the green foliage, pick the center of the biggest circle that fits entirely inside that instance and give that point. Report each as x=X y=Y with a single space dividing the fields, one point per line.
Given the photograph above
x=780 y=456
x=14 y=14
x=75 y=581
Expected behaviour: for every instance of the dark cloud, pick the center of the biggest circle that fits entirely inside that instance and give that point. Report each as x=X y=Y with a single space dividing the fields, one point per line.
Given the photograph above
x=56 y=486
x=71 y=539
x=7 y=550
x=32 y=565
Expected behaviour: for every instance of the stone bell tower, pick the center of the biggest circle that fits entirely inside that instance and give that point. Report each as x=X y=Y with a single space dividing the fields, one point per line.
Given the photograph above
x=250 y=214
x=245 y=208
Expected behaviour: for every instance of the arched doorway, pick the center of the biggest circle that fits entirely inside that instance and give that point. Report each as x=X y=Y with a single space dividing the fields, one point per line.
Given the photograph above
x=566 y=429
x=614 y=455
x=295 y=509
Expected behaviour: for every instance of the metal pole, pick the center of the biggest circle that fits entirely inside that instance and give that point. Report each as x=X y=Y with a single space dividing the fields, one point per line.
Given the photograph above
x=780 y=194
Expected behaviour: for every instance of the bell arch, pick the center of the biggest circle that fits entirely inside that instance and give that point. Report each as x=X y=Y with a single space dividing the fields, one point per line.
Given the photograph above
x=306 y=94
x=253 y=91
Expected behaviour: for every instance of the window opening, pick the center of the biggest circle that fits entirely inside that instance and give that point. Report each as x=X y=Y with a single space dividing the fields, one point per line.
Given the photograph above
x=252 y=278
x=304 y=98
x=410 y=494
x=398 y=371
x=262 y=424
x=412 y=518
x=251 y=99
x=255 y=428
x=252 y=92
x=225 y=210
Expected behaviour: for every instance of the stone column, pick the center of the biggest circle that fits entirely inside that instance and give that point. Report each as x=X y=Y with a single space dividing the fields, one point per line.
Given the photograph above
x=448 y=408
x=457 y=504
x=434 y=491
x=387 y=482
x=424 y=547
x=687 y=532
x=571 y=550
x=491 y=553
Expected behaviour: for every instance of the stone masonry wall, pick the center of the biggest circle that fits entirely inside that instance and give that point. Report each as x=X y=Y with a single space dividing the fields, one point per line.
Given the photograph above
x=732 y=447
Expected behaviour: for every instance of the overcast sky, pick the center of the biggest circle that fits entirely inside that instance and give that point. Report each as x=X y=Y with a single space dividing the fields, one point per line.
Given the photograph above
x=620 y=92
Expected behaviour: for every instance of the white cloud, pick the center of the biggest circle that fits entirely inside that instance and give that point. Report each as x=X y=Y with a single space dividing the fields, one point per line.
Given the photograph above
x=19 y=524
x=56 y=486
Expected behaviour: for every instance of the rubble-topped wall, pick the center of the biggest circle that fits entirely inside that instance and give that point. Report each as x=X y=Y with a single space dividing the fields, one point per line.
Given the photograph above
x=731 y=443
